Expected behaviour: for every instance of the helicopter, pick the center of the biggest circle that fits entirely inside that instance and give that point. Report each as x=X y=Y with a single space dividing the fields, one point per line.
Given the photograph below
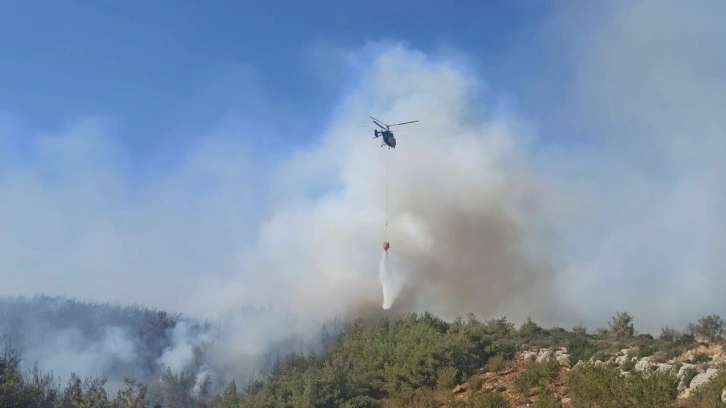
x=388 y=138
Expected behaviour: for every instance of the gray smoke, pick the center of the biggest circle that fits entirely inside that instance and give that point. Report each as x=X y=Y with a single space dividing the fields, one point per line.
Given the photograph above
x=469 y=222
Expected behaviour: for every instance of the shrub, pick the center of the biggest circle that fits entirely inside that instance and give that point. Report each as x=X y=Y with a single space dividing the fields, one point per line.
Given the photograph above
x=601 y=332
x=688 y=375
x=504 y=348
x=622 y=325
x=668 y=334
x=701 y=358
x=647 y=350
x=474 y=383
x=671 y=343
x=529 y=329
x=580 y=348
x=447 y=378
x=629 y=365
x=536 y=375
x=499 y=328
x=419 y=398
x=606 y=388
x=547 y=399
x=362 y=401
x=495 y=364
x=654 y=390
x=487 y=400
x=659 y=357
x=590 y=385
x=602 y=355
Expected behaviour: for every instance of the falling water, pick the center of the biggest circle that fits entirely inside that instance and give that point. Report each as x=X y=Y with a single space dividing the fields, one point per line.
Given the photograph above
x=389 y=283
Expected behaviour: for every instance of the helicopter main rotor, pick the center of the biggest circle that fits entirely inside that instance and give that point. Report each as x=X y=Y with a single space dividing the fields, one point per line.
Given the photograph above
x=387 y=127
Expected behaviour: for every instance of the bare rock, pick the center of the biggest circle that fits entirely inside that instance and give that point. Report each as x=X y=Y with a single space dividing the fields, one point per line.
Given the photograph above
x=529 y=356
x=665 y=367
x=703 y=378
x=545 y=355
x=684 y=367
x=563 y=360
x=643 y=364
x=682 y=385
x=723 y=395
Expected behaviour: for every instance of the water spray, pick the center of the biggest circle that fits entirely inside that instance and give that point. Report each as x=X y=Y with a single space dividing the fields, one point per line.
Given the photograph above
x=388 y=284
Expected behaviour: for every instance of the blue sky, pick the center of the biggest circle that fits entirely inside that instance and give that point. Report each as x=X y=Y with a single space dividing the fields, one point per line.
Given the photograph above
x=165 y=69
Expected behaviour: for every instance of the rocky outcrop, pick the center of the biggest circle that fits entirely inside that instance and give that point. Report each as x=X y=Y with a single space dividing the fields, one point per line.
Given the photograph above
x=563 y=359
x=682 y=376
x=704 y=378
x=643 y=364
x=546 y=355
x=689 y=372
x=529 y=356
x=622 y=357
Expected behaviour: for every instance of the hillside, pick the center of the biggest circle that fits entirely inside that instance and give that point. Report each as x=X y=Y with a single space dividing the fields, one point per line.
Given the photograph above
x=422 y=361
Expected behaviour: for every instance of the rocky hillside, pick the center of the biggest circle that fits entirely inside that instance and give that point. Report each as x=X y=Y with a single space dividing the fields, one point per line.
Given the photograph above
x=545 y=377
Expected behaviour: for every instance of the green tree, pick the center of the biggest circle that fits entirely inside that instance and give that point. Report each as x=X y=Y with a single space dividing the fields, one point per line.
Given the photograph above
x=621 y=325
x=11 y=380
x=132 y=396
x=709 y=328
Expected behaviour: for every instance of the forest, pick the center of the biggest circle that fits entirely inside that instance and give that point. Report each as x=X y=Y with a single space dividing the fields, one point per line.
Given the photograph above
x=415 y=360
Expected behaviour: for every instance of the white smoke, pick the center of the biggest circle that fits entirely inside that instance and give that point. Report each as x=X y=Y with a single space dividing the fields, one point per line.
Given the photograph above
x=187 y=342
x=113 y=355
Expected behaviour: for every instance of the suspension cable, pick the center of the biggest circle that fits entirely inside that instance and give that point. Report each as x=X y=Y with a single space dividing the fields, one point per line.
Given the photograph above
x=388 y=154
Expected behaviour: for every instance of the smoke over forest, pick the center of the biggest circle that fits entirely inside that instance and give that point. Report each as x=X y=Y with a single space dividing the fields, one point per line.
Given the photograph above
x=570 y=200
x=66 y=336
